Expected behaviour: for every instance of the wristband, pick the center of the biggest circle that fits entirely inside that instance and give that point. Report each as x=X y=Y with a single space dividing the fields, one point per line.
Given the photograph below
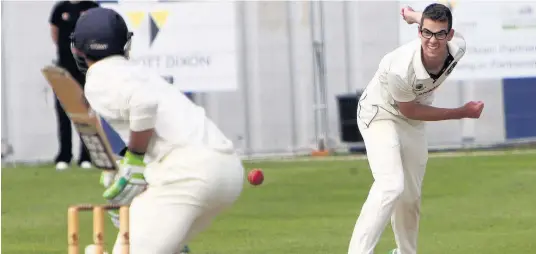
x=133 y=158
x=135 y=153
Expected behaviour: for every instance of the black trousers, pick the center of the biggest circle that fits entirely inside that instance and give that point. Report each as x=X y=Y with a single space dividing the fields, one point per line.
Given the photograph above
x=65 y=152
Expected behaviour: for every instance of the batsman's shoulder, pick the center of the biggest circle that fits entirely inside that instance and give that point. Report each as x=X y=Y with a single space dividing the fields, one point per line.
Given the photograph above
x=103 y=88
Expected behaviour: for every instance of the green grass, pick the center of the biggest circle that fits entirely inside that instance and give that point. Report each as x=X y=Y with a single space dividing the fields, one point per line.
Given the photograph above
x=470 y=205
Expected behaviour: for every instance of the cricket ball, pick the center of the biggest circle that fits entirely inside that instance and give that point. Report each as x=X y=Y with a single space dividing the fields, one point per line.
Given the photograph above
x=255 y=176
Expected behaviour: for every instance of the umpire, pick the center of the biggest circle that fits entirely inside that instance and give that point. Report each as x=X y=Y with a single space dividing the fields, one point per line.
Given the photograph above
x=62 y=22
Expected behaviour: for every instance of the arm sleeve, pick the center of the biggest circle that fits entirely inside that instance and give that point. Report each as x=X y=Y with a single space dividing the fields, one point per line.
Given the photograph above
x=126 y=100
x=399 y=89
x=55 y=16
x=142 y=107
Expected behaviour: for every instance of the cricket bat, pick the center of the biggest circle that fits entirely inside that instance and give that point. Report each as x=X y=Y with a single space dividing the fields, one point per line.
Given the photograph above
x=86 y=121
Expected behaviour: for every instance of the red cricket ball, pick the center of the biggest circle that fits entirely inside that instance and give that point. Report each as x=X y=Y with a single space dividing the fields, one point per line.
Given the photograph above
x=255 y=176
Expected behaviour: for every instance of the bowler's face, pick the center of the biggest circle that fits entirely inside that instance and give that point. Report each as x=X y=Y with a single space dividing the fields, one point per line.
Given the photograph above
x=434 y=37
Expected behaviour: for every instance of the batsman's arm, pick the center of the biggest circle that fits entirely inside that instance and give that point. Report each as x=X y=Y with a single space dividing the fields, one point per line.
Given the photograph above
x=139 y=141
x=138 y=105
x=405 y=100
x=143 y=107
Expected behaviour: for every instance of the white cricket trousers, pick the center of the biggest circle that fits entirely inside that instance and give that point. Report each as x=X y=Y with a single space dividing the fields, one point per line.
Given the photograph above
x=169 y=214
x=397 y=153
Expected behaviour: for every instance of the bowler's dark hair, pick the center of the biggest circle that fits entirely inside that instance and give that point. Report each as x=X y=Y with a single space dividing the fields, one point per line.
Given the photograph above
x=439 y=13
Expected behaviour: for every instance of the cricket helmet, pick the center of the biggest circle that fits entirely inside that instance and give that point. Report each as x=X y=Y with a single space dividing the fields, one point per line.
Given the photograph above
x=99 y=33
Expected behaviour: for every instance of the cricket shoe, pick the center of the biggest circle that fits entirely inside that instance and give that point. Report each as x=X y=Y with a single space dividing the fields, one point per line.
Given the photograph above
x=62 y=165
x=86 y=165
x=91 y=249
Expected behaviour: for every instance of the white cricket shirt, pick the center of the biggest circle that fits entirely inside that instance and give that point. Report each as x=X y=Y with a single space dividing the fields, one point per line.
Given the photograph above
x=401 y=77
x=131 y=97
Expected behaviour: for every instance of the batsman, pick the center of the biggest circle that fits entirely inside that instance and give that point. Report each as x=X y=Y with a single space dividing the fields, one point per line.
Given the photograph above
x=179 y=170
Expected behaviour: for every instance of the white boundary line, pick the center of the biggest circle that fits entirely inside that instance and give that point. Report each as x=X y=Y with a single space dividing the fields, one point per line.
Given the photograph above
x=363 y=157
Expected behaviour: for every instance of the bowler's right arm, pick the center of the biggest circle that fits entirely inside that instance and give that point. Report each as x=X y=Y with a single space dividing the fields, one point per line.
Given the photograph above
x=405 y=100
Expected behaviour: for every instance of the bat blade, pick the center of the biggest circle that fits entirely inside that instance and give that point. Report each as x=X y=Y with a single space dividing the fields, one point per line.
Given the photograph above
x=87 y=123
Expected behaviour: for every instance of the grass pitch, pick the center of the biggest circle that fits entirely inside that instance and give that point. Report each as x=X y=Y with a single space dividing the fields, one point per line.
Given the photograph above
x=471 y=205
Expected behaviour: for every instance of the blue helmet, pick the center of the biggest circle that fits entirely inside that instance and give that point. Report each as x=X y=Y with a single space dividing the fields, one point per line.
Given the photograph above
x=99 y=33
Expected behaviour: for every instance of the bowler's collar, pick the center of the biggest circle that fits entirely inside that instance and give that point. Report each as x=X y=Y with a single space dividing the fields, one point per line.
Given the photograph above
x=418 y=66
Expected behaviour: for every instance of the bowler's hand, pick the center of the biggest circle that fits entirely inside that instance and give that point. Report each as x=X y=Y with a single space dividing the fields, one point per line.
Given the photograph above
x=408 y=15
x=473 y=109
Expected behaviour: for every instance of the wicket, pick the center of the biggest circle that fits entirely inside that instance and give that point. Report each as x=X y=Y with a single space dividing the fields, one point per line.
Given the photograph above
x=98 y=226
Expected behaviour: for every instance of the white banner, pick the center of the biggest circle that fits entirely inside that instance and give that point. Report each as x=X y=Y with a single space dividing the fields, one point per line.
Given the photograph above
x=191 y=43
x=500 y=36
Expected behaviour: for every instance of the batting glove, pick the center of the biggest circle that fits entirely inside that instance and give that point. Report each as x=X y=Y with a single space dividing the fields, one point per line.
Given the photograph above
x=129 y=181
x=107 y=177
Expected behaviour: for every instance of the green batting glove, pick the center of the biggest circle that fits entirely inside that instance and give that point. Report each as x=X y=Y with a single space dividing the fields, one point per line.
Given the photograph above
x=129 y=182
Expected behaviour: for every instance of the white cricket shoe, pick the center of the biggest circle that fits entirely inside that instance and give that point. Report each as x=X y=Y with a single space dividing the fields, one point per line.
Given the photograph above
x=86 y=165
x=62 y=165
x=90 y=249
